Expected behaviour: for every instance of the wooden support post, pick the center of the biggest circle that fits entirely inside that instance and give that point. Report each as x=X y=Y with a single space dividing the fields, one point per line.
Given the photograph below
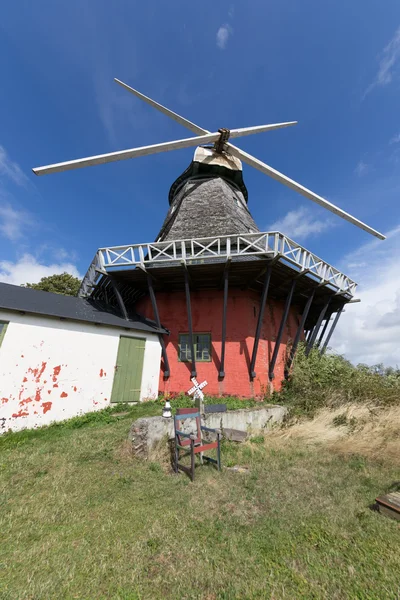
x=313 y=337
x=299 y=331
x=192 y=465
x=281 y=330
x=119 y=298
x=167 y=371
x=223 y=337
x=321 y=337
x=332 y=329
x=190 y=322
x=263 y=301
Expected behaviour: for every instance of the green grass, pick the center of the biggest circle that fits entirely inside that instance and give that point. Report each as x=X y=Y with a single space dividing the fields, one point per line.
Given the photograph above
x=81 y=518
x=118 y=412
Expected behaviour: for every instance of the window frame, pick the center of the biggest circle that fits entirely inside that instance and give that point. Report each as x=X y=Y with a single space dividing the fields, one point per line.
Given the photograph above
x=188 y=360
x=3 y=330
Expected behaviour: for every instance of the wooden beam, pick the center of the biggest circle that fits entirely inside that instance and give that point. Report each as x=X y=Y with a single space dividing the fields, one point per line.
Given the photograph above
x=167 y=371
x=278 y=340
x=313 y=337
x=119 y=298
x=263 y=301
x=224 y=311
x=300 y=329
x=190 y=322
x=332 y=329
x=321 y=337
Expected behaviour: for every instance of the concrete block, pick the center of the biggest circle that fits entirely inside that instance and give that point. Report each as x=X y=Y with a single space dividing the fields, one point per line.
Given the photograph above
x=146 y=433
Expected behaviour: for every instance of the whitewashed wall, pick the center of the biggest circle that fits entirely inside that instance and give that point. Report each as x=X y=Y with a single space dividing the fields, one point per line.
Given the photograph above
x=52 y=370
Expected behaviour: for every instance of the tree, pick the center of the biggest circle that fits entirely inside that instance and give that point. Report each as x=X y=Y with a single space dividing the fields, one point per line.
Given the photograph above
x=59 y=284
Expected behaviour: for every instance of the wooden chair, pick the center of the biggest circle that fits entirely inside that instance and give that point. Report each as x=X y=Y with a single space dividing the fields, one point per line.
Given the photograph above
x=193 y=442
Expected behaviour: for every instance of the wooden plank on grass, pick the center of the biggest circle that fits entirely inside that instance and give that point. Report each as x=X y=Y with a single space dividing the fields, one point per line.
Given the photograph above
x=389 y=505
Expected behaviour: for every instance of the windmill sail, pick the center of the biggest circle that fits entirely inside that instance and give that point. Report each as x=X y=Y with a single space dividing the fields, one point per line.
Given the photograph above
x=222 y=145
x=259 y=165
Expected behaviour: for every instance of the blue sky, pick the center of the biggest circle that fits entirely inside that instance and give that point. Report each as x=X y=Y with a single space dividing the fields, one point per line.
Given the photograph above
x=333 y=66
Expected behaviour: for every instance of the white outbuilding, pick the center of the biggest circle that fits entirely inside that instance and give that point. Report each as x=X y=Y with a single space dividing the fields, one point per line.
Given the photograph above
x=62 y=356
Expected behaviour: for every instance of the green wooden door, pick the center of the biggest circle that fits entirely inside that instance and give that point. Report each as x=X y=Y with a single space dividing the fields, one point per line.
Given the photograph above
x=128 y=371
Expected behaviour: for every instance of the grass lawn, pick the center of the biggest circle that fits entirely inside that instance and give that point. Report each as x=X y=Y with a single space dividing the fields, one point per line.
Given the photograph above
x=80 y=518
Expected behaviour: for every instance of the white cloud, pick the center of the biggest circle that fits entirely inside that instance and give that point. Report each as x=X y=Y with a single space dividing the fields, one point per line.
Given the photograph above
x=29 y=270
x=11 y=169
x=369 y=331
x=300 y=224
x=387 y=64
x=223 y=34
x=361 y=169
x=395 y=139
x=13 y=222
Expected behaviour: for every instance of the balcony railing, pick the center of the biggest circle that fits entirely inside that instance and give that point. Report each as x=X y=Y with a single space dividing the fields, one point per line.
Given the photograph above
x=268 y=244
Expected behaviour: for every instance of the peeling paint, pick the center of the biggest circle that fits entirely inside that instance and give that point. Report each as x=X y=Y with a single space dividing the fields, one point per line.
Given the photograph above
x=38 y=372
x=56 y=372
x=21 y=413
x=46 y=407
x=26 y=401
x=65 y=368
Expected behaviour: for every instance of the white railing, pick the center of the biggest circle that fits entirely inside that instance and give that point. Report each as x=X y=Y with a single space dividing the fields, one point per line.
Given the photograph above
x=268 y=244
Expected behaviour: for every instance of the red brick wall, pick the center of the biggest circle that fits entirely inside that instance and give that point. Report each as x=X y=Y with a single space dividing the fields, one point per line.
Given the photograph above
x=242 y=314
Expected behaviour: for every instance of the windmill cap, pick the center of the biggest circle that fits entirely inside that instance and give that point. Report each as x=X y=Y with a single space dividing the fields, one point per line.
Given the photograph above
x=207 y=163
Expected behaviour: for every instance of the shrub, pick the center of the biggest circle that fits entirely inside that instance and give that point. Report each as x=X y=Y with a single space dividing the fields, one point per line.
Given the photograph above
x=331 y=380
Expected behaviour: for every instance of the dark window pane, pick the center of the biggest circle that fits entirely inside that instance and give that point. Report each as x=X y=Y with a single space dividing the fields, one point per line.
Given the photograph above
x=203 y=346
x=184 y=346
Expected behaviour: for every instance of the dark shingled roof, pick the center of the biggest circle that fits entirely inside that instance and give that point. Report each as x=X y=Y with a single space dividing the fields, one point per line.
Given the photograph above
x=27 y=300
x=205 y=207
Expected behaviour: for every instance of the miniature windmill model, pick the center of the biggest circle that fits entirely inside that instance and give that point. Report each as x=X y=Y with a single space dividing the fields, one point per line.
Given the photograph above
x=199 y=270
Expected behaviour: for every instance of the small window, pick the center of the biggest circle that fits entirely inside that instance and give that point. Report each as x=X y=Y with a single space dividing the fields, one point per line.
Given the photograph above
x=3 y=327
x=202 y=347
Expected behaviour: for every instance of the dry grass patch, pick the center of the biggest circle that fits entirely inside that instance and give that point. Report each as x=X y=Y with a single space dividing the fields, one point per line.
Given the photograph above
x=369 y=431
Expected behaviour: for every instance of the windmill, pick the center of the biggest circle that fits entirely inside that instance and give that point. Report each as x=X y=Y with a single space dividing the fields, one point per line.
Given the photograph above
x=209 y=277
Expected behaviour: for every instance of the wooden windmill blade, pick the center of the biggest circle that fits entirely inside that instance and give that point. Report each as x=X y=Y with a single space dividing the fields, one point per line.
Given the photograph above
x=297 y=187
x=90 y=161
x=221 y=147
x=101 y=159
x=259 y=165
